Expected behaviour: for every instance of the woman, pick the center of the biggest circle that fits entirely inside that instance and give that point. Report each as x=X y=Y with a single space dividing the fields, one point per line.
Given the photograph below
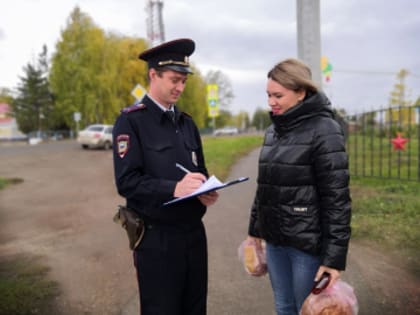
x=302 y=206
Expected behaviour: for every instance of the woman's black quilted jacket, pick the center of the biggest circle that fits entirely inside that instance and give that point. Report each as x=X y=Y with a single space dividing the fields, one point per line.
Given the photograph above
x=303 y=197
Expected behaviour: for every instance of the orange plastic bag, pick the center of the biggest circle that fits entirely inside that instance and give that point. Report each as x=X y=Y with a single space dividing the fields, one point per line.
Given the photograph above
x=253 y=257
x=339 y=299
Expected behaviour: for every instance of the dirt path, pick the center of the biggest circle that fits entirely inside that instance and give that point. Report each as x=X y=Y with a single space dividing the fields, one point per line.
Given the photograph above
x=382 y=282
x=63 y=211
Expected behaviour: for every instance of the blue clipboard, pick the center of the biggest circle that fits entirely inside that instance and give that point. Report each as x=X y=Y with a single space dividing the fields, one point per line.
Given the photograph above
x=213 y=188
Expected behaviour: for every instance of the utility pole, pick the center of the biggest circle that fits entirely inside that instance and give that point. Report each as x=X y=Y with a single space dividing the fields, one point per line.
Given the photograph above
x=309 y=36
x=154 y=22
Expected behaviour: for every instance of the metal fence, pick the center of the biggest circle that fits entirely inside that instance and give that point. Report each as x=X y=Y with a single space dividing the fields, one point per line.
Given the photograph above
x=385 y=143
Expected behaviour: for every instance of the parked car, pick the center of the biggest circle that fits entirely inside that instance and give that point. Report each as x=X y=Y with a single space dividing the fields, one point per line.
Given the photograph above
x=96 y=136
x=228 y=130
x=36 y=137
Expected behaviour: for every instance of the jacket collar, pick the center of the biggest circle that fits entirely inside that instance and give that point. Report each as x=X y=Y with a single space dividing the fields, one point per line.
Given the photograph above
x=315 y=104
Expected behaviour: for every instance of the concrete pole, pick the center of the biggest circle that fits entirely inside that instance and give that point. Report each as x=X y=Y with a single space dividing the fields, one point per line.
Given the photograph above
x=309 y=36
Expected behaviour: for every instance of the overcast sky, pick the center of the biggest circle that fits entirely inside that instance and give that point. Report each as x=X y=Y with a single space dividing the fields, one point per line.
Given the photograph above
x=366 y=41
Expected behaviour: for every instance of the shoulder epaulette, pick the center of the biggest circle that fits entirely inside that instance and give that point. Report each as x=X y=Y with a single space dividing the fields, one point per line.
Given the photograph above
x=186 y=114
x=133 y=108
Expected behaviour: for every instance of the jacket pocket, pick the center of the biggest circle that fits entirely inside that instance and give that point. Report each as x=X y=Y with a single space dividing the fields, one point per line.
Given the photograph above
x=301 y=222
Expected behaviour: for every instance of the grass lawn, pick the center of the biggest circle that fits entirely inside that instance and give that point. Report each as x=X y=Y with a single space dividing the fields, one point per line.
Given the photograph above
x=221 y=153
x=25 y=288
x=387 y=213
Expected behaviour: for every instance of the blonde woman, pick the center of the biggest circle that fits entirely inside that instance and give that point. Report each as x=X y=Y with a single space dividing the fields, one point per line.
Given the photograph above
x=302 y=206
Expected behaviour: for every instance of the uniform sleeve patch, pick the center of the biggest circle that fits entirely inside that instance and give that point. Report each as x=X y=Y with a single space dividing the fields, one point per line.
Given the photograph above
x=123 y=143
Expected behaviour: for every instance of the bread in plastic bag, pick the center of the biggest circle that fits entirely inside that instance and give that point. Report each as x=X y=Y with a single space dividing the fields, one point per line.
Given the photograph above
x=253 y=257
x=339 y=299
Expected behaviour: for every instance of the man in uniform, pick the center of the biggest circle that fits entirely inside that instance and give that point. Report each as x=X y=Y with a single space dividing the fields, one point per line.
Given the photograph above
x=151 y=138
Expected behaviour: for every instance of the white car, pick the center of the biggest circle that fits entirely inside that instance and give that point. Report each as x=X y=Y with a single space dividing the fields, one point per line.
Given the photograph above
x=226 y=131
x=96 y=136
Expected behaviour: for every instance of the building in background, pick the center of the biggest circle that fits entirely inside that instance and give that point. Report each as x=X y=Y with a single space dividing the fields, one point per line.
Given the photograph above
x=8 y=127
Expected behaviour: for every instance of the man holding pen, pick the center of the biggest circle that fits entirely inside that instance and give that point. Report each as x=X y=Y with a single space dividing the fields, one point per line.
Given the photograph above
x=158 y=156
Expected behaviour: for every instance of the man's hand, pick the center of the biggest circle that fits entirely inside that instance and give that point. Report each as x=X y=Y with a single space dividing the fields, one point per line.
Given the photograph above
x=189 y=184
x=209 y=198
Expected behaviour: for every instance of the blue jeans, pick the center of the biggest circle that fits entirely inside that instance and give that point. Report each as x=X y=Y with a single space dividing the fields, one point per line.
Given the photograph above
x=292 y=274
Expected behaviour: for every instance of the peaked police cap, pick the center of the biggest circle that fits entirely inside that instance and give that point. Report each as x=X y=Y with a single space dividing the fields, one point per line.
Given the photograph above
x=172 y=55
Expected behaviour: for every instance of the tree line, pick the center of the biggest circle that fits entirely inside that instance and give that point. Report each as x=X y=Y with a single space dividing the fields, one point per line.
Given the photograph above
x=93 y=72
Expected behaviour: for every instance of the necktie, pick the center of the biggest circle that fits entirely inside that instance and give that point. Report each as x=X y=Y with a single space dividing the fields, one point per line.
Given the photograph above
x=171 y=115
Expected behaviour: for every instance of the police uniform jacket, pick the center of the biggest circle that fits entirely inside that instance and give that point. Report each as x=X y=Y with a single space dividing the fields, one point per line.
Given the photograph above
x=303 y=198
x=148 y=145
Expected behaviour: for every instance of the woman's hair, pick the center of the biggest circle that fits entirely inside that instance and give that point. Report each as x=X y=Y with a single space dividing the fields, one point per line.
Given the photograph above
x=294 y=75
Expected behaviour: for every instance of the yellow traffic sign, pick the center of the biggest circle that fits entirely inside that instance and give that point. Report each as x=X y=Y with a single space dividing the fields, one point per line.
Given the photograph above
x=212 y=92
x=138 y=92
x=213 y=100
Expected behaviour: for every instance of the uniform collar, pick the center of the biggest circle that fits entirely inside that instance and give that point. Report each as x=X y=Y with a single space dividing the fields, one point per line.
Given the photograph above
x=163 y=108
x=159 y=110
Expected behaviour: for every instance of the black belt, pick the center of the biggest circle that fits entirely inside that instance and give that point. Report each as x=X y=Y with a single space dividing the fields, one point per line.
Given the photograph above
x=172 y=225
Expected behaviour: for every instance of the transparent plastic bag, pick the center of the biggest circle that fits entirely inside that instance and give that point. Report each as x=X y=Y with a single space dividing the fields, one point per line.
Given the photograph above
x=339 y=299
x=253 y=257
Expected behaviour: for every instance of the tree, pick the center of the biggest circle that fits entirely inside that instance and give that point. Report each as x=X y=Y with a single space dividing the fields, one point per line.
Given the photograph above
x=398 y=97
x=6 y=96
x=242 y=120
x=125 y=69
x=261 y=119
x=33 y=105
x=94 y=73
x=76 y=69
x=194 y=98
x=224 y=118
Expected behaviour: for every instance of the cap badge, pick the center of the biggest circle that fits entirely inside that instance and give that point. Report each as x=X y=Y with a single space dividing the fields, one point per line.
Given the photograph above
x=173 y=62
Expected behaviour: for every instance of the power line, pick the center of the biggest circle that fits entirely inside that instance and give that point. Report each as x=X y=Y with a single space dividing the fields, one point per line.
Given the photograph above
x=365 y=72
x=372 y=72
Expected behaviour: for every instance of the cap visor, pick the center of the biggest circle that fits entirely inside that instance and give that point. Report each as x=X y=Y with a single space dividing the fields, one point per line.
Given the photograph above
x=180 y=69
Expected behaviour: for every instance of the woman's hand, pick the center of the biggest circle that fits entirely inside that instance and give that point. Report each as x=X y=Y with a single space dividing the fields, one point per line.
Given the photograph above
x=334 y=274
x=258 y=241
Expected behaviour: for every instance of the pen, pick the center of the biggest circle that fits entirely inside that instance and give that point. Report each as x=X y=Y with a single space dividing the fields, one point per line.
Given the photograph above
x=182 y=168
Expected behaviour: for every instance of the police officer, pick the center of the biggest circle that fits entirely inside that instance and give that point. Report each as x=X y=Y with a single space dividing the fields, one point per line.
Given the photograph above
x=151 y=138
